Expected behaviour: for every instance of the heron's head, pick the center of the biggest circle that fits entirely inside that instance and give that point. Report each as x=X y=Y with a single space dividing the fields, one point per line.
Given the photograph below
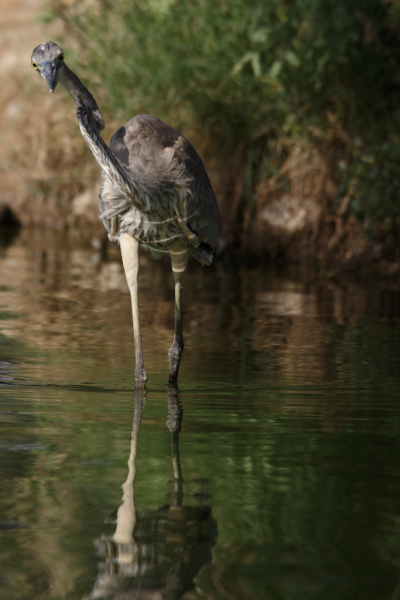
x=48 y=60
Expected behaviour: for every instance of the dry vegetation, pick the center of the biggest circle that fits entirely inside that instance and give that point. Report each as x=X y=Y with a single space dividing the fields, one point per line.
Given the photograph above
x=44 y=165
x=49 y=179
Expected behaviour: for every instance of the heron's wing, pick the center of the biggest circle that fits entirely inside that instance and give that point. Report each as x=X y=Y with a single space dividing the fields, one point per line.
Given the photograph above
x=169 y=170
x=198 y=208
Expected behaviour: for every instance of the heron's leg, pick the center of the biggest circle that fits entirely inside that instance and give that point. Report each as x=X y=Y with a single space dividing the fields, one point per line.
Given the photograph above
x=179 y=259
x=130 y=259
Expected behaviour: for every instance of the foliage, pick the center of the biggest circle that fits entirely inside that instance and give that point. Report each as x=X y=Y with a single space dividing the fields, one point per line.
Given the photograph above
x=245 y=71
x=375 y=172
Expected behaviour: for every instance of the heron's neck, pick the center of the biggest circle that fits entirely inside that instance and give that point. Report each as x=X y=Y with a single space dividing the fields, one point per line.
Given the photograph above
x=70 y=82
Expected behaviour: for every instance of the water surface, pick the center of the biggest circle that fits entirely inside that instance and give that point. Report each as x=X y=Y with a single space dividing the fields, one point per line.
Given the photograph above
x=272 y=472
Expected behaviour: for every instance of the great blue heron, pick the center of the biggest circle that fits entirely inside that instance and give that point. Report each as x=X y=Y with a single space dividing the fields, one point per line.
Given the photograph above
x=154 y=192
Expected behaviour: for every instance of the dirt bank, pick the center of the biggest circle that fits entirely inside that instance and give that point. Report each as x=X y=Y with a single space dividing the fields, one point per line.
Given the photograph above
x=48 y=179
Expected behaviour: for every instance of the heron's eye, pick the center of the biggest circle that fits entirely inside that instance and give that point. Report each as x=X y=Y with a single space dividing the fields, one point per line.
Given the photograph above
x=60 y=57
x=34 y=65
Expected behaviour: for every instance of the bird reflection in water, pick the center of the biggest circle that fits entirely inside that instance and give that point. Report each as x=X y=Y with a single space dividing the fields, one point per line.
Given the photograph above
x=155 y=554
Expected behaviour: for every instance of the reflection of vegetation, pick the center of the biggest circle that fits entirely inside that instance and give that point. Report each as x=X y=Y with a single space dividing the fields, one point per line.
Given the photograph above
x=6 y=315
x=297 y=489
x=356 y=360
x=288 y=571
x=297 y=431
x=248 y=72
x=10 y=350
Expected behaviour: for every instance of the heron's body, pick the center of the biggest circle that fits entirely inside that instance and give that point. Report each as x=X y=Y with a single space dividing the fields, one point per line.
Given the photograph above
x=177 y=200
x=154 y=192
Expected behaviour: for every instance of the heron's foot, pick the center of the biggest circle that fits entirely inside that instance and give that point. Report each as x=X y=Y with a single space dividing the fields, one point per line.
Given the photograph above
x=175 y=355
x=140 y=377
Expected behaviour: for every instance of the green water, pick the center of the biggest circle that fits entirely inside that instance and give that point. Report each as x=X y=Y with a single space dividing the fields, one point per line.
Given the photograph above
x=272 y=472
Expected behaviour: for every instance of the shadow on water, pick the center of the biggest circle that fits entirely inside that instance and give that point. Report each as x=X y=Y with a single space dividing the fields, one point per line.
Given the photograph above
x=155 y=553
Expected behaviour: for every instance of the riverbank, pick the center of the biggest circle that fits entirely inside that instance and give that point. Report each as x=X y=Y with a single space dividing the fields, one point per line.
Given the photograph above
x=292 y=211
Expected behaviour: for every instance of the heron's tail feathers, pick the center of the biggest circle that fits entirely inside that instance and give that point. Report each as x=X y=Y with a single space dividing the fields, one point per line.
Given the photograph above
x=204 y=254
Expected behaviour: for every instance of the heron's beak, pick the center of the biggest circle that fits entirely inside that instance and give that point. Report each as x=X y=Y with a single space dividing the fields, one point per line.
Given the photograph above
x=49 y=72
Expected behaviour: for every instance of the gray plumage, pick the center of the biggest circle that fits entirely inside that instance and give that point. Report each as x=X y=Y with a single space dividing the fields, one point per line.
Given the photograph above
x=175 y=199
x=154 y=190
